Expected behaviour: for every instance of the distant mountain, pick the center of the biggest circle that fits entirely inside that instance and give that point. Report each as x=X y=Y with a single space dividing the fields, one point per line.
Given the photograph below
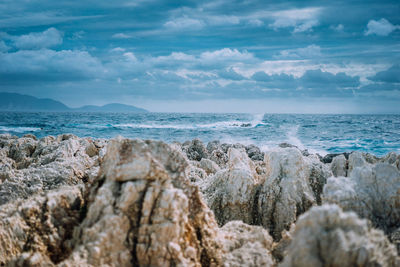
x=114 y=107
x=18 y=102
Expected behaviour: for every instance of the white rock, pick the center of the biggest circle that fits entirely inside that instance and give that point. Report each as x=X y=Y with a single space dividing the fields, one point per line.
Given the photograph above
x=246 y=245
x=286 y=192
x=327 y=236
x=372 y=191
x=230 y=192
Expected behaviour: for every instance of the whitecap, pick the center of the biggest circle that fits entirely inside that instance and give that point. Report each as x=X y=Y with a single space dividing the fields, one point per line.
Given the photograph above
x=18 y=129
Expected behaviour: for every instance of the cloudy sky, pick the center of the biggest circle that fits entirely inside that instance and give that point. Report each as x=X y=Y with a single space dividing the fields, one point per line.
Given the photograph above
x=205 y=56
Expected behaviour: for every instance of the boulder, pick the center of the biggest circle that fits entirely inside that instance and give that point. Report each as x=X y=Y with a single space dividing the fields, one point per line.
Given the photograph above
x=327 y=236
x=372 y=191
x=195 y=149
x=145 y=212
x=38 y=229
x=230 y=192
x=286 y=192
x=246 y=245
x=339 y=166
x=30 y=166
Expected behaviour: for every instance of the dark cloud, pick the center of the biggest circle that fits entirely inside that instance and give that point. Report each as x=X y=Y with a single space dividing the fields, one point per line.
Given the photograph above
x=317 y=79
x=391 y=75
x=199 y=49
x=41 y=66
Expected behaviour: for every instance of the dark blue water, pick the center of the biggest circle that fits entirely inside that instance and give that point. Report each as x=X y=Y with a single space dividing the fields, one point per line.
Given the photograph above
x=378 y=134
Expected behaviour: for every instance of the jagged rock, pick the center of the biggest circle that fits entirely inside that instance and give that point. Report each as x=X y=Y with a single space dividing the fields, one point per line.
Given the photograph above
x=145 y=207
x=339 y=166
x=196 y=175
x=279 y=248
x=327 y=236
x=395 y=239
x=230 y=192
x=254 y=152
x=356 y=159
x=272 y=194
x=217 y=154
x=286 y=145
x=213 y=145
x=145 y=212
x=246 y=245
x=329 y=157
x=30 y=166
x=392 y=159
x=39 y=228
x=195 y=149
x=286 y=193
x=372 y=191
x=209 y=166
x=219 y=157
x=318 y=174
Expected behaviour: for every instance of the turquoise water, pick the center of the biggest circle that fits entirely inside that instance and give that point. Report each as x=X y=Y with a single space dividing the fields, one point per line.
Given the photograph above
x=377 y=134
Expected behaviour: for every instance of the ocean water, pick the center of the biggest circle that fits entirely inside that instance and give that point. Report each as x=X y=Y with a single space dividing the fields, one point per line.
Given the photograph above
x=377 y=134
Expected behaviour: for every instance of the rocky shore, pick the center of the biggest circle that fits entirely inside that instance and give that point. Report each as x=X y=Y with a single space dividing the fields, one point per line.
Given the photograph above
x=69 y=201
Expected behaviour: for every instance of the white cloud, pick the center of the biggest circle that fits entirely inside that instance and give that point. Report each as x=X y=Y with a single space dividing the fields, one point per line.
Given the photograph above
x=175 y=56
x=310 y=51
x=48 y=64
x=38 y=40
x=118 y=49
x=380 y=27
x=184 y=23
x=121 y=36
x=130 y=56
x=226 y=54
x=300 y=19
x=337 y=28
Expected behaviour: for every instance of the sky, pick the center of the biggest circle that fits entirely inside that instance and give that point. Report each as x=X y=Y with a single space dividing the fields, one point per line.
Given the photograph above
x=205 y=56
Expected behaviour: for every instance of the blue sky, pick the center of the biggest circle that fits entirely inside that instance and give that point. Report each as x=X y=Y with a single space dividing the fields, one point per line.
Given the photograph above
x=205 y=56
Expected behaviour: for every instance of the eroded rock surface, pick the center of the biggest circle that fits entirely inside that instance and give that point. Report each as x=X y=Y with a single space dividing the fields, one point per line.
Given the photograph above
x=145 y=206
x=271 y=193
x=286 y=192
x=145 y=212
x=327 y=236
x=246 y=245
x=40 y=227
x=230 y=193
x=29 y=166
x=372 y=191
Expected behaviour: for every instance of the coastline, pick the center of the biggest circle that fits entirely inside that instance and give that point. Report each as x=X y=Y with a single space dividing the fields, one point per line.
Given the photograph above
x=80 y=201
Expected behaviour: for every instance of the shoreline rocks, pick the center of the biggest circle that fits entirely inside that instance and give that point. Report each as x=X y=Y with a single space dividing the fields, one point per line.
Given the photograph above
x=70 y=201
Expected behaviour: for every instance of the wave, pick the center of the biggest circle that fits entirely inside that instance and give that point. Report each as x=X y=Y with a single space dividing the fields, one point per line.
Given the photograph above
x=18 y=129
x=215 y=125
x=153 y=126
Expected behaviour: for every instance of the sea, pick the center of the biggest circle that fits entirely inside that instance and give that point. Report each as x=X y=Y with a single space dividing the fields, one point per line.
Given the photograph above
x=322 y=134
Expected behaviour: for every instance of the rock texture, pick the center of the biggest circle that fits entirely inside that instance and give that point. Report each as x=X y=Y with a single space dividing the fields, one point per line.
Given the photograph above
x=39 y=229
x=372 y=191
x=29 y=166
x=69 y=201
x=327 y=236
x=271 y=193
x=145 y=212
x=246 y=245
x=286 y=192
x=230 y=193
